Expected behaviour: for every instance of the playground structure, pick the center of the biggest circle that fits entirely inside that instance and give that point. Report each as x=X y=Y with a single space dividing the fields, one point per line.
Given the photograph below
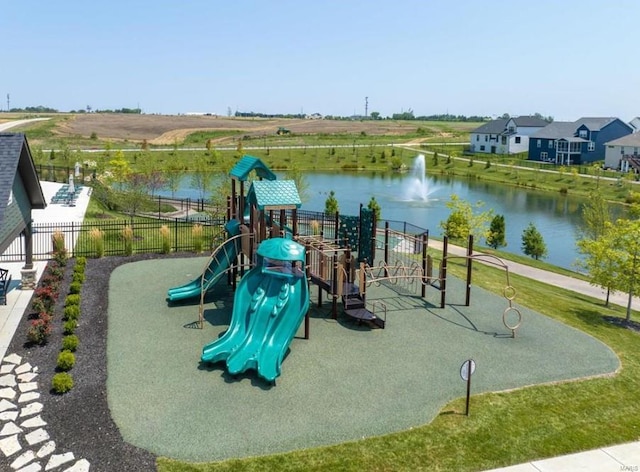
x=340 y=255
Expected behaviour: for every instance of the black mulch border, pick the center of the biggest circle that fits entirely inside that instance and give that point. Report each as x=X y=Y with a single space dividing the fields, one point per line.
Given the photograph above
x=79 y=421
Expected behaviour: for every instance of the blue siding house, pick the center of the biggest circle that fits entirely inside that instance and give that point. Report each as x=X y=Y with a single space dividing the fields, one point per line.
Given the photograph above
x=579 y=142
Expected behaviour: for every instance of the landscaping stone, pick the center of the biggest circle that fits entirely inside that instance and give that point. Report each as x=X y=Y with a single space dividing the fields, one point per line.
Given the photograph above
x=23 y=459
x=6 y=405
x=23 y=368
x=8 y=380
x=36 y=437
x=10 y=445
x=7 y=393
x=27 y=377
x=12 y=359
x=35 y=422
x=8 y=415
x=47 y=449
x=6 y=368
x=81 y=466
x=31 y=409
x=33 y=467
x=28 y=387
x=28 y=397
x=10 y=429
x=56 y=460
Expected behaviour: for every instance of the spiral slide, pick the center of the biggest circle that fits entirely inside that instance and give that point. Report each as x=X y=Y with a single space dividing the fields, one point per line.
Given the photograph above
x=220 y=261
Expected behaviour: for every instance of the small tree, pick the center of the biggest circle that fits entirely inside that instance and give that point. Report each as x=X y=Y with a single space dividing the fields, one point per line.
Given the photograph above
x=331 y=204
x=533 y=243
x=463 y=221
x=496 y=236
x=375 y=207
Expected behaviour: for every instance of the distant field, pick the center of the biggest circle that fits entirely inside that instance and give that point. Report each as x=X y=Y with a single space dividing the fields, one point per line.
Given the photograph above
x=164 y=130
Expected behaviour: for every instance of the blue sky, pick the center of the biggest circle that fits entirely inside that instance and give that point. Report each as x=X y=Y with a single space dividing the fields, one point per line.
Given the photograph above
x=564 y=58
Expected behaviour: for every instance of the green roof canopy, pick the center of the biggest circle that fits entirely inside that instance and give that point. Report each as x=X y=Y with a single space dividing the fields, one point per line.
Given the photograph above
x=248 y=163
x=274 y=195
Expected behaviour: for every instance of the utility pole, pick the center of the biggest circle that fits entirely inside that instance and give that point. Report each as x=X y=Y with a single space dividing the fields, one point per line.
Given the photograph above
x=366 y=107
x=8 y=107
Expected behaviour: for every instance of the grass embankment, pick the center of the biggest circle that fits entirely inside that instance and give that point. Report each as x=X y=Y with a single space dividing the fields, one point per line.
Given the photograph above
x=503 y=428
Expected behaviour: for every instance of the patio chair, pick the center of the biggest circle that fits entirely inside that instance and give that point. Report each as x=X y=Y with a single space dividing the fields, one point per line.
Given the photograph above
x=5 y=282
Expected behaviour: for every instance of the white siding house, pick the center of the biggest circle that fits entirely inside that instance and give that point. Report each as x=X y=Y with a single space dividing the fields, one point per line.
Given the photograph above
x=621 y=153
x=505 y=136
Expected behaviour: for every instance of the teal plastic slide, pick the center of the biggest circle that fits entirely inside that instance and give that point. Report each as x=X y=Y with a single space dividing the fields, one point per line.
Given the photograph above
x=269 y=305
x=220 y=261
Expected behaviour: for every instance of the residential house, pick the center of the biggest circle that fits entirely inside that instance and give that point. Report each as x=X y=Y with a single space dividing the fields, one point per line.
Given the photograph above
x=580 y=142
x=20 y=192
x=505 y=135
x=623 y=153
x=635 y=124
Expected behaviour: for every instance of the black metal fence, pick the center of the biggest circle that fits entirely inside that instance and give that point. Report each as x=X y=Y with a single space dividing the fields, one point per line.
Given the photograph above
x=109 y=238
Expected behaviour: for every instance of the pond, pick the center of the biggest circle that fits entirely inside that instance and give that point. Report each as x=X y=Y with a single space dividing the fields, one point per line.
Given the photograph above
x=422 y=201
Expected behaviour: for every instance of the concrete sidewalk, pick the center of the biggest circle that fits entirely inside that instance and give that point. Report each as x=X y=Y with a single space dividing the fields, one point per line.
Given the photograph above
x=19 y=300
x=624 y=457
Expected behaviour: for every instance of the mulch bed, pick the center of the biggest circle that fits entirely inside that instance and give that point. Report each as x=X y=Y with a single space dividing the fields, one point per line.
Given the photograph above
x=80 y=421
x=621 y=322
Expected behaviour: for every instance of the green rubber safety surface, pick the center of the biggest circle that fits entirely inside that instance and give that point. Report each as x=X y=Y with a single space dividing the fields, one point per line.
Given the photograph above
x=345 y=383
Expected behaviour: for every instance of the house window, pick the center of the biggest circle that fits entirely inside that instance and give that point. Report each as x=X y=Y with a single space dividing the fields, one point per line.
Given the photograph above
x=477 y=137
x=622 y=150
x=486 y=138
x=544 y=156
x=539 y=143
x=550 y=144
x=583 y=133
x=504 y=140
x=591 y=146
x=635 y=151
x=482 y=148
x=512 y=129
x=517 y=139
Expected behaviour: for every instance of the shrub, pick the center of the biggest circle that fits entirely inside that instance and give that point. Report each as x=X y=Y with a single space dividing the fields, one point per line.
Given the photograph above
x=55 y=271
x=196 y=233
x=78 y=277
x=62 y=382
x=97 y=237
x=165 y=235
x=81 y=262
x=127 y=235
x=70 y=343
x=40 y=329
x=59 y=250
x=73 y=299
x=70 y=326
x=66 y=360
x=72 y=312
x=75 y=287
x=44 y=299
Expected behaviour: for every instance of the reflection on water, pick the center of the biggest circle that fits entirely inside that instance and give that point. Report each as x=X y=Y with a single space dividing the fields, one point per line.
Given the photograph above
x=556 y=216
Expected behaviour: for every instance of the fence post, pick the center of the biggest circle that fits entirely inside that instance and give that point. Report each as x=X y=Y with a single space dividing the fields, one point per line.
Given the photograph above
x=175 y=234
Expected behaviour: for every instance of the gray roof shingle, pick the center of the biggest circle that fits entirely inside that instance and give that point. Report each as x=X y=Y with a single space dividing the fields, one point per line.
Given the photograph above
x=15 y=157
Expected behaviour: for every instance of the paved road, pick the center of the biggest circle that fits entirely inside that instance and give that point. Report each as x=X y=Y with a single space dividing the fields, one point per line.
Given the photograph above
x=13 y=124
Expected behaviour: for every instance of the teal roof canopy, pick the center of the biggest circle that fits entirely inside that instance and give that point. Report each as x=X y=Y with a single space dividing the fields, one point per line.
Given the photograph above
x=274 y=195
x=281 y=249
x=247 y=164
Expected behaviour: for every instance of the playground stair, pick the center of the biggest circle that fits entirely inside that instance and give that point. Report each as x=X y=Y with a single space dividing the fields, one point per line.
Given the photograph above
x=355 y=306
